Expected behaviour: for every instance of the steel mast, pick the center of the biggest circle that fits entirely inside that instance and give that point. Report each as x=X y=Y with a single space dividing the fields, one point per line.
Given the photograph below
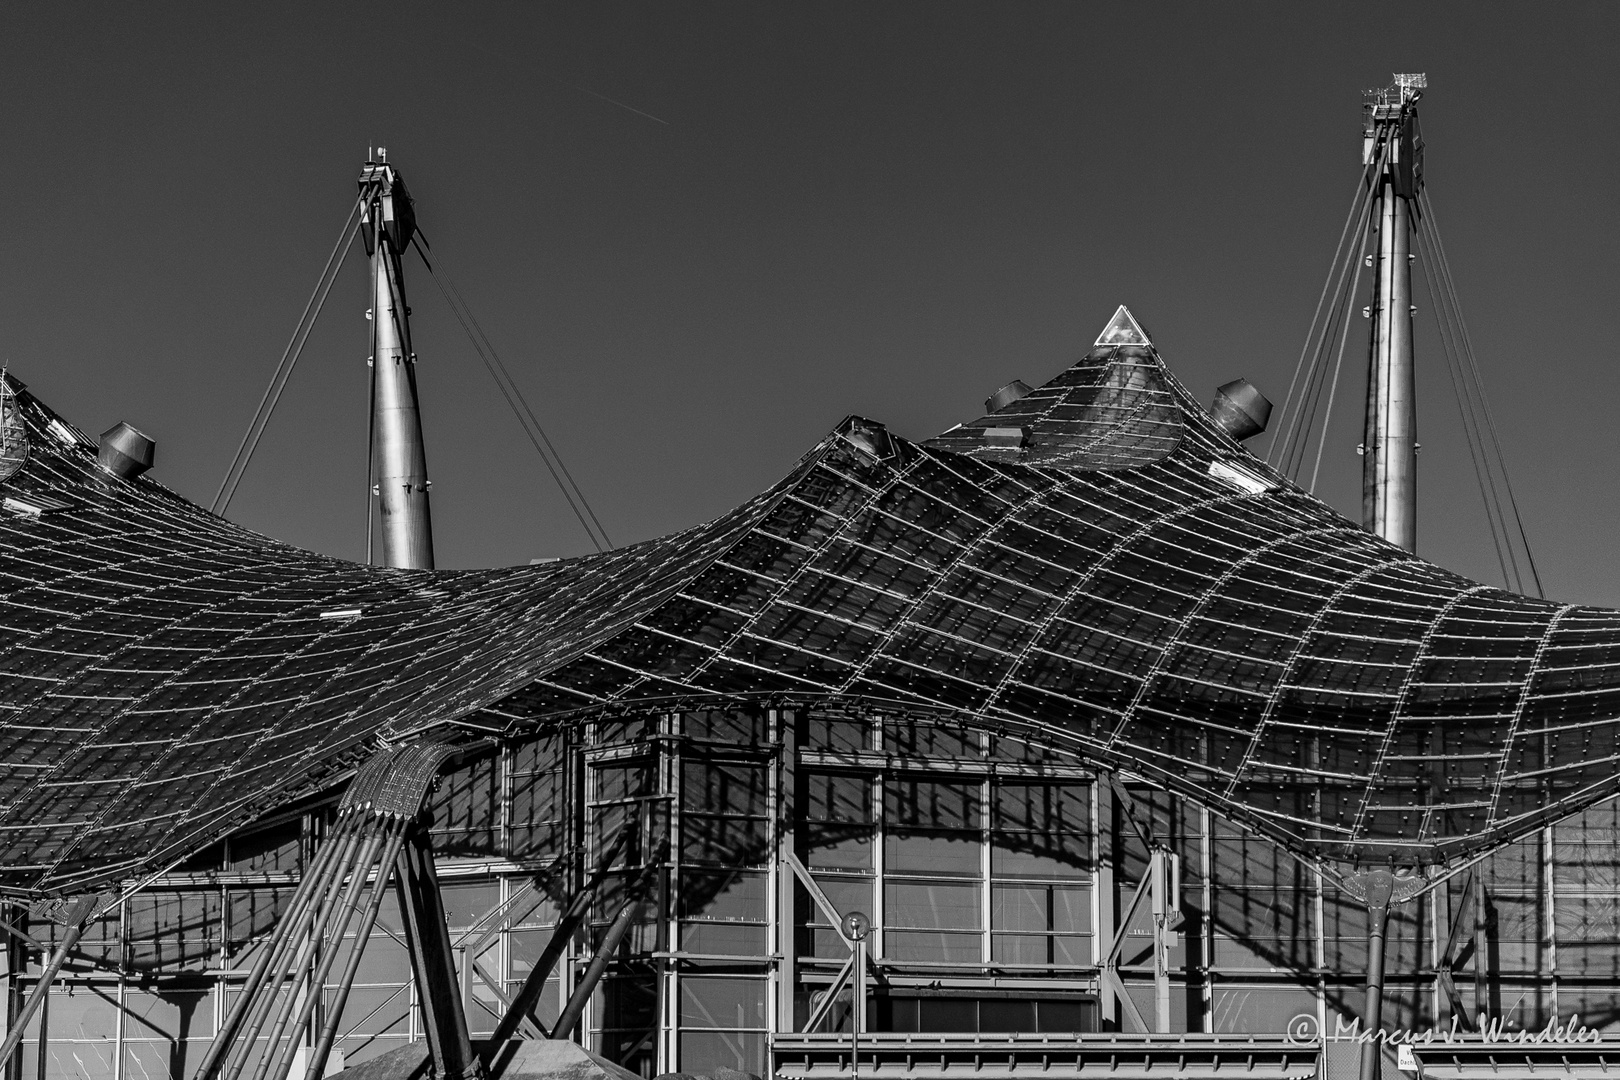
x=399 y=459
x=1389 y=446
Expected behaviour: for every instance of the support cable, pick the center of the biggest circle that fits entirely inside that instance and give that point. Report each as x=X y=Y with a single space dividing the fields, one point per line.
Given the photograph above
x=1427 y=207
x=1338 y=364
x=1473 y=425
x=1310 y=400
x=1301 y=409
x=1306 y=409
x=1472 y=390
x=1333 y=268
x=1336 y=330
x=534 y=421
x=1466 y=415
x=518 y=404
x=289 y=359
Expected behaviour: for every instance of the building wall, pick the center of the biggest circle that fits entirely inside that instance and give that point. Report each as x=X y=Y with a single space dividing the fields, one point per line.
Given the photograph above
x=994 y=873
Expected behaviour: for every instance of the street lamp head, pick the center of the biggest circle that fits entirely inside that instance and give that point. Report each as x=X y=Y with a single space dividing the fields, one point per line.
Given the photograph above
x=857 y=925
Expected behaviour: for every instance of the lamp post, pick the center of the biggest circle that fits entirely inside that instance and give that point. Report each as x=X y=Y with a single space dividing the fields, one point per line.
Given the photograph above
x=856 y=926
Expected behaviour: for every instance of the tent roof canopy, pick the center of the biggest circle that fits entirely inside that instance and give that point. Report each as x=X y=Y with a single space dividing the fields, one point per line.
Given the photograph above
x=1095 y=564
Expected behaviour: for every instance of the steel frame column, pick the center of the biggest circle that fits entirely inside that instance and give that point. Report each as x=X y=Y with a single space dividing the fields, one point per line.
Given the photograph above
x=1483 y=1004
x=1103 y=891
x=785 y=942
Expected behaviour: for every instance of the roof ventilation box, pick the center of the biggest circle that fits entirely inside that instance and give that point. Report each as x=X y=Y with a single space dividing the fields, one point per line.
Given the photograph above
x=1008 y=394
x=1240 y=410
x=1010 y=437
x=125 y=452
x=869 y=436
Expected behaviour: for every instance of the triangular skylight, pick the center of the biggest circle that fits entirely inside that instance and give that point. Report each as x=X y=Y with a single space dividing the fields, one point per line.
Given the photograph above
x=1123 y=329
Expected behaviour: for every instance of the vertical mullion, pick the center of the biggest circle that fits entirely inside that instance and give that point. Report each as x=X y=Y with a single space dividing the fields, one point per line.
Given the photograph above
x=1547 y=880
x=503 y=804
x=986 y=950
x=877 y=782
x=124 y=949
x=119 y=1029
x=673 y=776
x=1206 y=942
x=782 y=938
x=1102 y=828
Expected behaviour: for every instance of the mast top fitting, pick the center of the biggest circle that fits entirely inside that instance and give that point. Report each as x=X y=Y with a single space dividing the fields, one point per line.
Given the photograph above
x=1390 y=124
x=385 y=202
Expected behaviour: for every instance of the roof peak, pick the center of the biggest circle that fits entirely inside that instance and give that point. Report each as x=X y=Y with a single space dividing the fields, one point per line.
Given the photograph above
x=1123 y=329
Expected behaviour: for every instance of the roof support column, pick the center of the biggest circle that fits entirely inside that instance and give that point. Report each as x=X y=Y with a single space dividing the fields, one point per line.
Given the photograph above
x=1379 y=886
x=518 y=1010
x=422 y=912
x=73 y=920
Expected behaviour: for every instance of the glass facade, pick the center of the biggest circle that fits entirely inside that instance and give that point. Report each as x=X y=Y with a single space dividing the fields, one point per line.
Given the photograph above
x=996 y=872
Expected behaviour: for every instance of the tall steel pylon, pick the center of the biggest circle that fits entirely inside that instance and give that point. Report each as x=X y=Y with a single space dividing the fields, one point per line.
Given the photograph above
x=399 y=459
x=1389 y=444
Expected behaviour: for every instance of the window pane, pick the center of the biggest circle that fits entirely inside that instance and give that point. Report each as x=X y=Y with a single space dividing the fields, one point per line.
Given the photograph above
x=837 y=849
x=1071 y=909
x=837 y=816
x=727 y=788
x=933 y=853
x=1261 y=1008
x=926 y=740
x=1041 y=907
x=1071 y=951
x=932 y=804
x=1021 y=949
x=831 y=733
x=464 y=905
x=1030 y=855
x=623 y=781
x=707 y=1051
x=732 y=840
x=1020 y=908
x=1043 y=807
x=714 y=1002
x=722 y=895
x=932 y=945
x=932 y=905
x=723 y=939
x=837 y=797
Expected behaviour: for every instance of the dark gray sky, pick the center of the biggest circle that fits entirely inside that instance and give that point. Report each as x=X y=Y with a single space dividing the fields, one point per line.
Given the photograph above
x=885 y=209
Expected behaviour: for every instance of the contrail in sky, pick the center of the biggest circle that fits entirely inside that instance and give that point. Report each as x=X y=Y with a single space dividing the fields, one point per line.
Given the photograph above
x=581 y=89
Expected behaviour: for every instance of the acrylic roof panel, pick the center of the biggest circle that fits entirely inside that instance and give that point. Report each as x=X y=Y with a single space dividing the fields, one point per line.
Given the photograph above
x=1095 y=563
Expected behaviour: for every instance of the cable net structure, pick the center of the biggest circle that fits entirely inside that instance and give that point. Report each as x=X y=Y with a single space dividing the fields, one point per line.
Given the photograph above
x=1096 y=567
